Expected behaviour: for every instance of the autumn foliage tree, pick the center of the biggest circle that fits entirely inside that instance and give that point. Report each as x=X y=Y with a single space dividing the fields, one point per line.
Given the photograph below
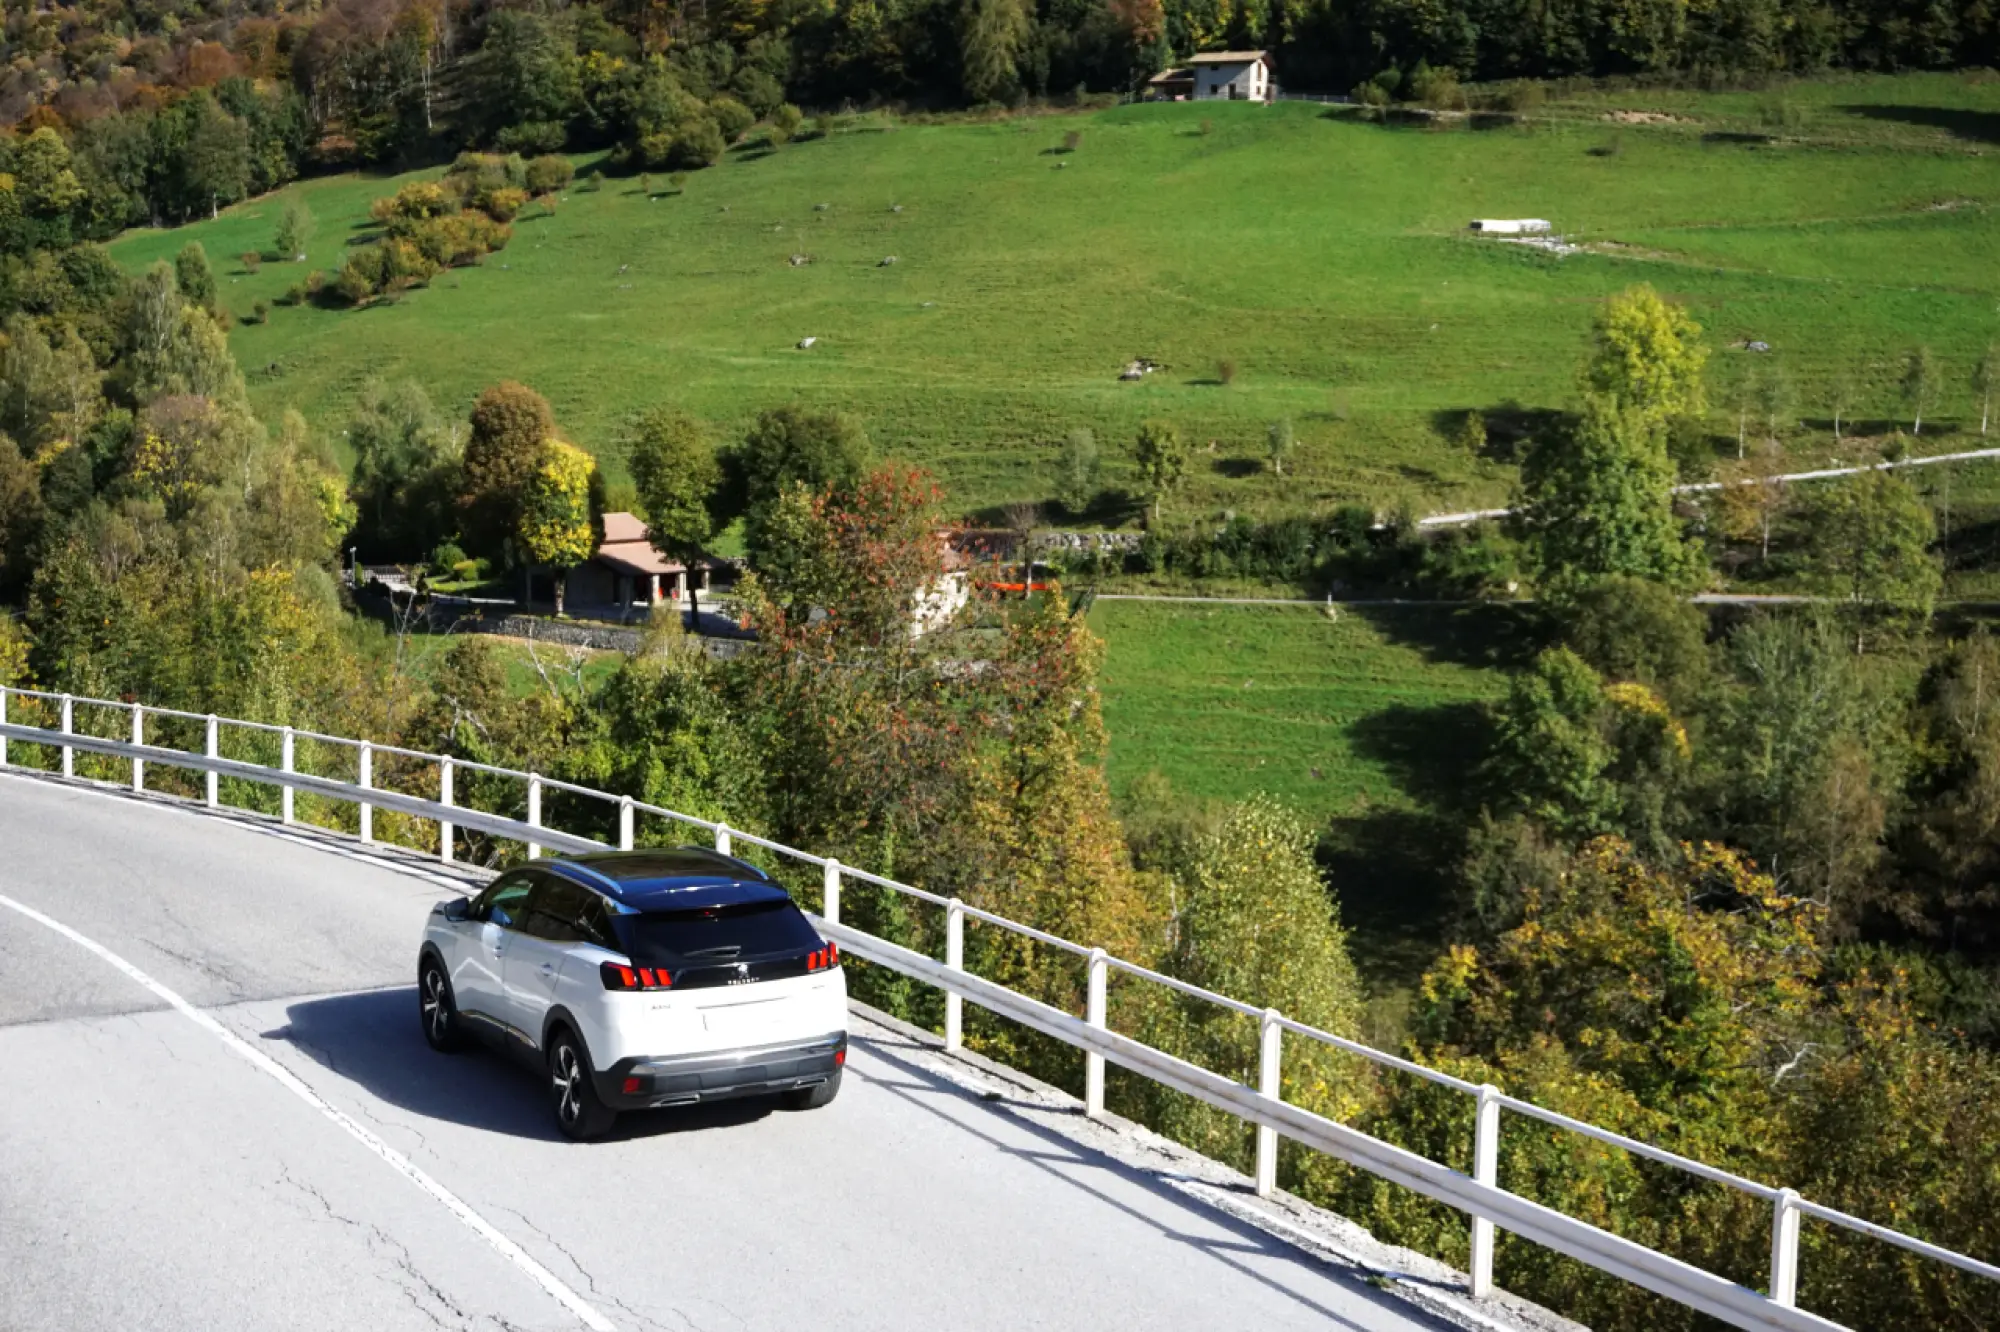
x=561 y=512
x=511 y=423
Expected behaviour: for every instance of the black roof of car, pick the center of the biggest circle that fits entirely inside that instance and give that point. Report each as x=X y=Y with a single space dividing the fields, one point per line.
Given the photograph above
x=671 y=878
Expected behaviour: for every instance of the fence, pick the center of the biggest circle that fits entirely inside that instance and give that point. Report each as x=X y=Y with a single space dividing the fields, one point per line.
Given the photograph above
x=119 y=739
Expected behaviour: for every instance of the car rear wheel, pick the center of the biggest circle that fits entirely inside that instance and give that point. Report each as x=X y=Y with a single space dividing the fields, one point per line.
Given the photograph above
x=812 y=1098
x=579 y=1113
x=435 y=1007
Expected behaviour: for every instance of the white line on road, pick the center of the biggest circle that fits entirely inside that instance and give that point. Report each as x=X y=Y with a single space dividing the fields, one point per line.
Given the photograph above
x=509 y=1250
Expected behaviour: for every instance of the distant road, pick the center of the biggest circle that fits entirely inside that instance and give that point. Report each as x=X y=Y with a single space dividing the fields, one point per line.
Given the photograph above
x=221 y=1115
x=1822 y=474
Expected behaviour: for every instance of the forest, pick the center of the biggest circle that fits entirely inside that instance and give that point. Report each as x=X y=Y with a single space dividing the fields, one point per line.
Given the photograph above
x=172 y=112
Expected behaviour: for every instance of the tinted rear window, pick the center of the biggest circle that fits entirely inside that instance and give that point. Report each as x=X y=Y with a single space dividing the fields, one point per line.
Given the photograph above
x=717 y=934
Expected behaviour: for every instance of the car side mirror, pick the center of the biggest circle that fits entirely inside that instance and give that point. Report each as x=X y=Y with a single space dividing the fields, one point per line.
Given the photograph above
x=456 y=909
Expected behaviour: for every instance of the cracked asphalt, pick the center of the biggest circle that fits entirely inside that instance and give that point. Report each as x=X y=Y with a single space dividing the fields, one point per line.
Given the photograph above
x=151 y=1179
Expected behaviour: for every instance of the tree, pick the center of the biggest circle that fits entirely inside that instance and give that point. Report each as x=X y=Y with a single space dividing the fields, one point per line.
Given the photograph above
x=1597 y=499
x=1752 y=501
x=1162 y=456
x=511 y=424
x=1648 y=355
x=1775 y=401
x=560 y=519
x=194 y=277
x=792 y=446
x=1868 y=543
x=677 y=475
x=1985 y=379
x=1278 y=440
x=526 y=73
x=1920 y=384
x=1256 y=922
x=21 y=516
x=184 y=446
x=1636 y=629
x=1078 y=470
x=295 y=229
x=406 y=471
x=990 y=34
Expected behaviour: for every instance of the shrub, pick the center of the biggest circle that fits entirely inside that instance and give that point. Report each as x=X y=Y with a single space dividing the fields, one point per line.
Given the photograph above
x=785 y=122
x=503 y=205
x=697 y=144
x=414 y=204
x=593 y=181
x=260 y=312
x=1524 y=97
x=1072 y=140
x=1225 y=370
x=252 y=261
x=295 y=294
x=731 y=117
x=446 y=557
x=532 y=137
x=1470 y=435
x=548 y=174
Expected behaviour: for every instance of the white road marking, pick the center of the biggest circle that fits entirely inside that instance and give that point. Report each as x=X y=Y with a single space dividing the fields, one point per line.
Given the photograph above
x=509 y=1250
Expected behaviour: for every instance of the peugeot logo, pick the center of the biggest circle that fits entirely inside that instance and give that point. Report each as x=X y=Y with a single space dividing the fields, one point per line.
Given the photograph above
x=742 y=976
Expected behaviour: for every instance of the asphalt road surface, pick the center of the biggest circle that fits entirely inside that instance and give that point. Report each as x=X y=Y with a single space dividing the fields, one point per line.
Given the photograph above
x=223 y=1116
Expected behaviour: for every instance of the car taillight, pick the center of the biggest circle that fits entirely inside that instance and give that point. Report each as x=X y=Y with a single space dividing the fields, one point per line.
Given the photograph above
x=824 y=958
x=618 y=976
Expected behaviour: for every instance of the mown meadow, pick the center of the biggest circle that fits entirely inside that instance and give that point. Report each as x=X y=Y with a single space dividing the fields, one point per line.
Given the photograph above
x=1288 y=261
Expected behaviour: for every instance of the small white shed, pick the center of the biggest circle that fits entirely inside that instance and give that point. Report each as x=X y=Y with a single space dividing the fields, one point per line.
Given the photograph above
x=1512 y=226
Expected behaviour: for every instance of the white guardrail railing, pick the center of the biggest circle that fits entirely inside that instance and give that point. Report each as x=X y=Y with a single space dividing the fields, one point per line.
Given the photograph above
x=1477 y=1194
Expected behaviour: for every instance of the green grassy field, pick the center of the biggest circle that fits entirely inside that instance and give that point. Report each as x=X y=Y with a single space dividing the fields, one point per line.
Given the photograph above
x=1368 y=725
x=1230 y=700
x=1324 y=256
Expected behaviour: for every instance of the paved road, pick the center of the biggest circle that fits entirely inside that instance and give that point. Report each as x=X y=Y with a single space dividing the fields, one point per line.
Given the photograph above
x=155 y=1175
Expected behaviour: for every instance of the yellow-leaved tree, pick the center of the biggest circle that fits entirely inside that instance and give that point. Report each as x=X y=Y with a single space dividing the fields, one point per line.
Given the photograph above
x=560 y=512
x=1649 y=356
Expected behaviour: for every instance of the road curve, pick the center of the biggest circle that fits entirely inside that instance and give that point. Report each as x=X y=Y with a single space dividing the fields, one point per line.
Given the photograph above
x=155 y=1175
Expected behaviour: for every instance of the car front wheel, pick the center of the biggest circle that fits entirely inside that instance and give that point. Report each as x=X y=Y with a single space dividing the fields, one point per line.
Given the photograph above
x=579 y=1113
x=435 y=1007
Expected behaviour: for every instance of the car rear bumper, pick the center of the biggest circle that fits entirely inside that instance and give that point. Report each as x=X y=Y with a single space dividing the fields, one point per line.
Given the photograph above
x=644 y=1081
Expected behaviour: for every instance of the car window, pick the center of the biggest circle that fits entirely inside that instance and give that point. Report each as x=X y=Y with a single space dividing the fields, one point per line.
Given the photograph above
x=557 y=909
x=756 y=929
x=502 y=903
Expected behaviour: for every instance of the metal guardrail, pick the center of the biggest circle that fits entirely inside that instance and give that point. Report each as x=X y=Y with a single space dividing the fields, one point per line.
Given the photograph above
x=1477 y=1194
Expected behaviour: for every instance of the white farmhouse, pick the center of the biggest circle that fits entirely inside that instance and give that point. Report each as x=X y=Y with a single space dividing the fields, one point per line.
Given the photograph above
x=1238 y=76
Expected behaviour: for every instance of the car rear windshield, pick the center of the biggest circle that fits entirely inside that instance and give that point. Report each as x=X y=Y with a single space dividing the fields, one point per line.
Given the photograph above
x=717 y=934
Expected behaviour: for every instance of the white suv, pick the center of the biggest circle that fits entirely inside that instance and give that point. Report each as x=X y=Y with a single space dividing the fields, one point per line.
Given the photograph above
x=639 y=979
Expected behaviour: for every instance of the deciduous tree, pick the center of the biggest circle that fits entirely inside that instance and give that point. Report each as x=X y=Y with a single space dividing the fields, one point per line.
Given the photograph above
x=1597 y=499
x=675 y=469
x=511 y=427
x=1162 y=456
x=1648 y=356
x=560 y=518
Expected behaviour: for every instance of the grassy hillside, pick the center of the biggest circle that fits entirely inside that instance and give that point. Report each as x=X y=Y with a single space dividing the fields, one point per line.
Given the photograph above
x=1324 y=256
x=1231 y=700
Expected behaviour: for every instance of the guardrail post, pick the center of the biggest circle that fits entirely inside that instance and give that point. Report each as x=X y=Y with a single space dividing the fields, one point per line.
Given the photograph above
x=1270 y=1049
x=954 y=957
x=4 y=691
x=365 y=779
x=444 y=798
x=68 y=754
x=285 y=754
x=1785 y=1249
x=1485 y=1170
x=624 y=823
x=214 y=750
x=534 y=811
x=138 y=738
x=722 y=839
x=1093 y=1013
x=830 y=893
